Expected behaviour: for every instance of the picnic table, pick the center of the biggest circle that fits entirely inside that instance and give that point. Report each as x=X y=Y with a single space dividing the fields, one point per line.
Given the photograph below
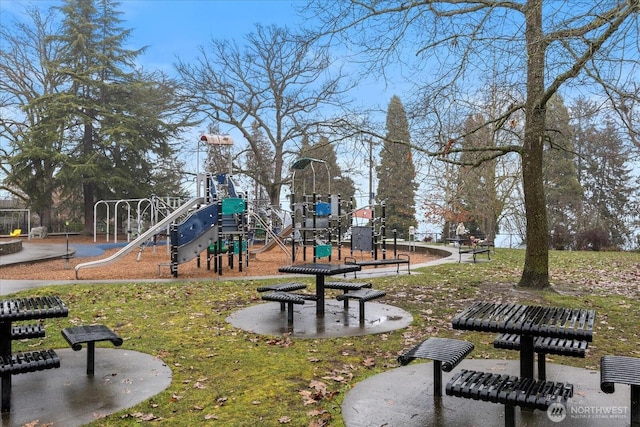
x=18 y=310
x=529 y=322
x=321 y=271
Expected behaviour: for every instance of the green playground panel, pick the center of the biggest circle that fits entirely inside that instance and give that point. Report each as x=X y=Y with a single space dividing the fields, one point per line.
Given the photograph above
x=213 y=246
x=236 y=246
x=233 y=205
x=322 y=251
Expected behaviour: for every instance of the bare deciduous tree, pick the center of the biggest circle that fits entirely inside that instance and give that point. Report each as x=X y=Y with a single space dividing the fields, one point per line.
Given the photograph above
x=534 y=47
x=276 y=86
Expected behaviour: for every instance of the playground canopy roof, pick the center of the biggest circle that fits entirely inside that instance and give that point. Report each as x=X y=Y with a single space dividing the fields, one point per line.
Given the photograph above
x=304 y=162
x=217 y=139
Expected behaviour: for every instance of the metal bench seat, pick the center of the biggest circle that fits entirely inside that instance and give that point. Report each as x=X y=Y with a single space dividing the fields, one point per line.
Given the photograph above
x=362 y=295
x=21 y=332
x=346 y=287
x=446 y=354
x=622 y=370
x=283 y=287
x=543 y=346
x=89 y=334
x=508 y=390
x=32 y=361
x=287 y=298
x=400 y=259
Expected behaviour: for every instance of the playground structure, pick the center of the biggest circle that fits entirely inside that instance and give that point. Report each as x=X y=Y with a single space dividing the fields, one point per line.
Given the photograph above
x=320 y=223
x=214 y=222
x=218 y=222
x=219 y=228
x=146 y=210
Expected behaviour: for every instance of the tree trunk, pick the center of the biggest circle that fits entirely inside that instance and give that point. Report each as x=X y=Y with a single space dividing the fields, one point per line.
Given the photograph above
x=274 y=195
x=88 y=187
x=535 y=273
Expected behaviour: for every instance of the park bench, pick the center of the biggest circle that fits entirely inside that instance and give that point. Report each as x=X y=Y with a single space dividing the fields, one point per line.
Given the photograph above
x=400 y=259
x=622 y=370
x=543 y=346
x=474 y=250
x=446 y=354
x=78 y=335
x=362 y=295
x=510 y=391
x=39 y=232
x=23 y=310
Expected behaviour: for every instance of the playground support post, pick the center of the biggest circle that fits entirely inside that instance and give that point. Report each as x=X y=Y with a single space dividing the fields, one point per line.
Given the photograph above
x=383 y=231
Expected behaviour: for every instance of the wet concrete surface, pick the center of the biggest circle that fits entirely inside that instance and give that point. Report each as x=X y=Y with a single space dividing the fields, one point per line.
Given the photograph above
x=403 y=397
x=67 y=397
x=268 y=319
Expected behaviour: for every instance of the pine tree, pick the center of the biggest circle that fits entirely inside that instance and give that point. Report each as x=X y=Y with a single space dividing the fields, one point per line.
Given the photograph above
x=396 y=171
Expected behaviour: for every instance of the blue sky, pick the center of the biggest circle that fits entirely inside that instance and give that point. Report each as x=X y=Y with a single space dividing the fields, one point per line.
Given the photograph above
x=173 y=28
x=177 y=28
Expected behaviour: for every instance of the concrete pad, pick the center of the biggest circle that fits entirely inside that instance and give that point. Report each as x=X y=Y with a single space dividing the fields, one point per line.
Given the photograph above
x=268 y=319
x=37 y=252
x=66 y=396
x=404 y=397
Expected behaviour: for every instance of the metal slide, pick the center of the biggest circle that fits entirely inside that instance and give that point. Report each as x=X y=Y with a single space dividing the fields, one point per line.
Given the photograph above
x=275 y=239
x=143 y=237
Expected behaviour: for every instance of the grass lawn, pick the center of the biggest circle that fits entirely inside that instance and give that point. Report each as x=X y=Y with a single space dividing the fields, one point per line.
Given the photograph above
x=223 y=376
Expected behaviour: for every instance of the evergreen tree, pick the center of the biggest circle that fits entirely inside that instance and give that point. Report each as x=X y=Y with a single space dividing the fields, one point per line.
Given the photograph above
x=562 y=188
x=120 y=120
x=33 y=130
x=476 y=189
x=396 y=171
x=607 y=189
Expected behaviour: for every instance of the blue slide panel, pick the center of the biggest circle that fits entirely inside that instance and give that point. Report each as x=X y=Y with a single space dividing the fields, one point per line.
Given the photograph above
x=196 y=224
